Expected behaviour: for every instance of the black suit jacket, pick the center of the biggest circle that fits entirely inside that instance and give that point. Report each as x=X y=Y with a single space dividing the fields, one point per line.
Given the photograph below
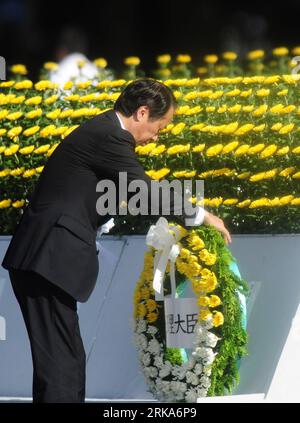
x=57 y=232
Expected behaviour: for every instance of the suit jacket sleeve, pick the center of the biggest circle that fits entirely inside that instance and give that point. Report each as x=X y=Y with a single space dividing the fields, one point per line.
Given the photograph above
x=119 y=156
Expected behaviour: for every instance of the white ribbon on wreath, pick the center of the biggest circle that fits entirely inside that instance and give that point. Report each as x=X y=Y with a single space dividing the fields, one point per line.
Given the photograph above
x=164 y=239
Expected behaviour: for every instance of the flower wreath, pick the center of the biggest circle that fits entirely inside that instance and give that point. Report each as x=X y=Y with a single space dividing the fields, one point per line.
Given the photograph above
x=203 y=261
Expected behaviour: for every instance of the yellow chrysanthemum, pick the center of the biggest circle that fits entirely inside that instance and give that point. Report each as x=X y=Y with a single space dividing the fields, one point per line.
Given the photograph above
x=27 y=150
x=100 y=62
x=151 y=305
x=29 y=173
x=14 y=116
x=152 y=317
x=17 y=171
x=47 y=131
x=255 y=54
x=141 y=310
x=218 y=319
x=198 y=148
x=163 y=59
x=268 y=151
x=244 y=204
x=50 y=66
x=285 y=200
x=214 y=301
x=19 y=69
x=18 y=204
x=183 y=58
x=263 y=92
x=158 y=150
x=132 y=61
x=229 y=55
x=54 y=114
x=211 y=58
x=44 y=85
x=214 y=150
x=178 y=149
x=52 y=98
x=280 y=51
x=31 y=131
x=287 y=171
x=230 y=201
x=260 y=111
x=5 y=203
x=286 y=129
x=14 y=132
x=42 y=149
x=205 y=314
x=243 y=149
x=4 y=172
x=23 y=85
x=6 y=84
x=9 y=151
x=203 y=301
x=33 y=101
x=34 y=114
x=177 y=129
x=158 y=174
x=256 y=148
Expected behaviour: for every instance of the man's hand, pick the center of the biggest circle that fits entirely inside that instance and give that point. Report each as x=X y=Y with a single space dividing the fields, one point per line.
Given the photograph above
x=210 y=219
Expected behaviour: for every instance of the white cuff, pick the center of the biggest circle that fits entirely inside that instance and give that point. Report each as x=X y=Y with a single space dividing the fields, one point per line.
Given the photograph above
x=199 y=218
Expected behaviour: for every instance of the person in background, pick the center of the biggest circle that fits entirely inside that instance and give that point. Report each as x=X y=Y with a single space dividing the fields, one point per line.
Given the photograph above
x=71 y=55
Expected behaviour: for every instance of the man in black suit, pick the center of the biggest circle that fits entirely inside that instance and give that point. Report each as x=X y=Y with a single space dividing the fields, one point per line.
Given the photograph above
x=52 y=258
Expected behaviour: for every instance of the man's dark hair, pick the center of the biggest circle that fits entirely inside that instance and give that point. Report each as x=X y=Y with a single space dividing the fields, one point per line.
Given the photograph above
x=146 y=92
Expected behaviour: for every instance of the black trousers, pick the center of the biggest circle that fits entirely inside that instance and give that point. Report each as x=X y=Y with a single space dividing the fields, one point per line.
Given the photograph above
x=58 y=355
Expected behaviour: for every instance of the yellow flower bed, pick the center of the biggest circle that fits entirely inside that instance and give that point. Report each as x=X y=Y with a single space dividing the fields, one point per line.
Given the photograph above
x=240 y=134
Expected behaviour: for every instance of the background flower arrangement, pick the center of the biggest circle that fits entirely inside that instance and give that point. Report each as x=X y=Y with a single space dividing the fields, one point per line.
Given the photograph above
x=219 y=336
x=240 y=134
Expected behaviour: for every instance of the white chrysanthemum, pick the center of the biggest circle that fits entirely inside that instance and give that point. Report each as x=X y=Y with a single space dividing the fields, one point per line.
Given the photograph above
x=159 y=384
x=208 y=323
x=207 y=370
x=150 y=372
x=189 y=365
x=209 y=360
x=159 y=361
x=152 y=330
x=141 y=326
x=165 y=370
x=179 y=372
x=198 y=369
x=201 y=392
x=154 y=347
x=191 y=396
x=141 y=341
x=146 y=359
x=202 y=352
x=206 y=355
x=211 y=340
x=205 y=381
x=178 y=387
x=200 y=331
x=166 y=387
x=192 y=378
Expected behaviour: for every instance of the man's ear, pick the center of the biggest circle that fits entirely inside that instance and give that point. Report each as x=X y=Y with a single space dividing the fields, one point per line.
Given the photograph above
x=142 y=112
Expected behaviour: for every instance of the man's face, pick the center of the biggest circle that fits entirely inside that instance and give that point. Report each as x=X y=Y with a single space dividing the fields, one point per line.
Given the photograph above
x=147 y=129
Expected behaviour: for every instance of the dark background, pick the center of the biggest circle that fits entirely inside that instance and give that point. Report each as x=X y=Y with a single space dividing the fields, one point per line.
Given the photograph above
x=30 y=30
